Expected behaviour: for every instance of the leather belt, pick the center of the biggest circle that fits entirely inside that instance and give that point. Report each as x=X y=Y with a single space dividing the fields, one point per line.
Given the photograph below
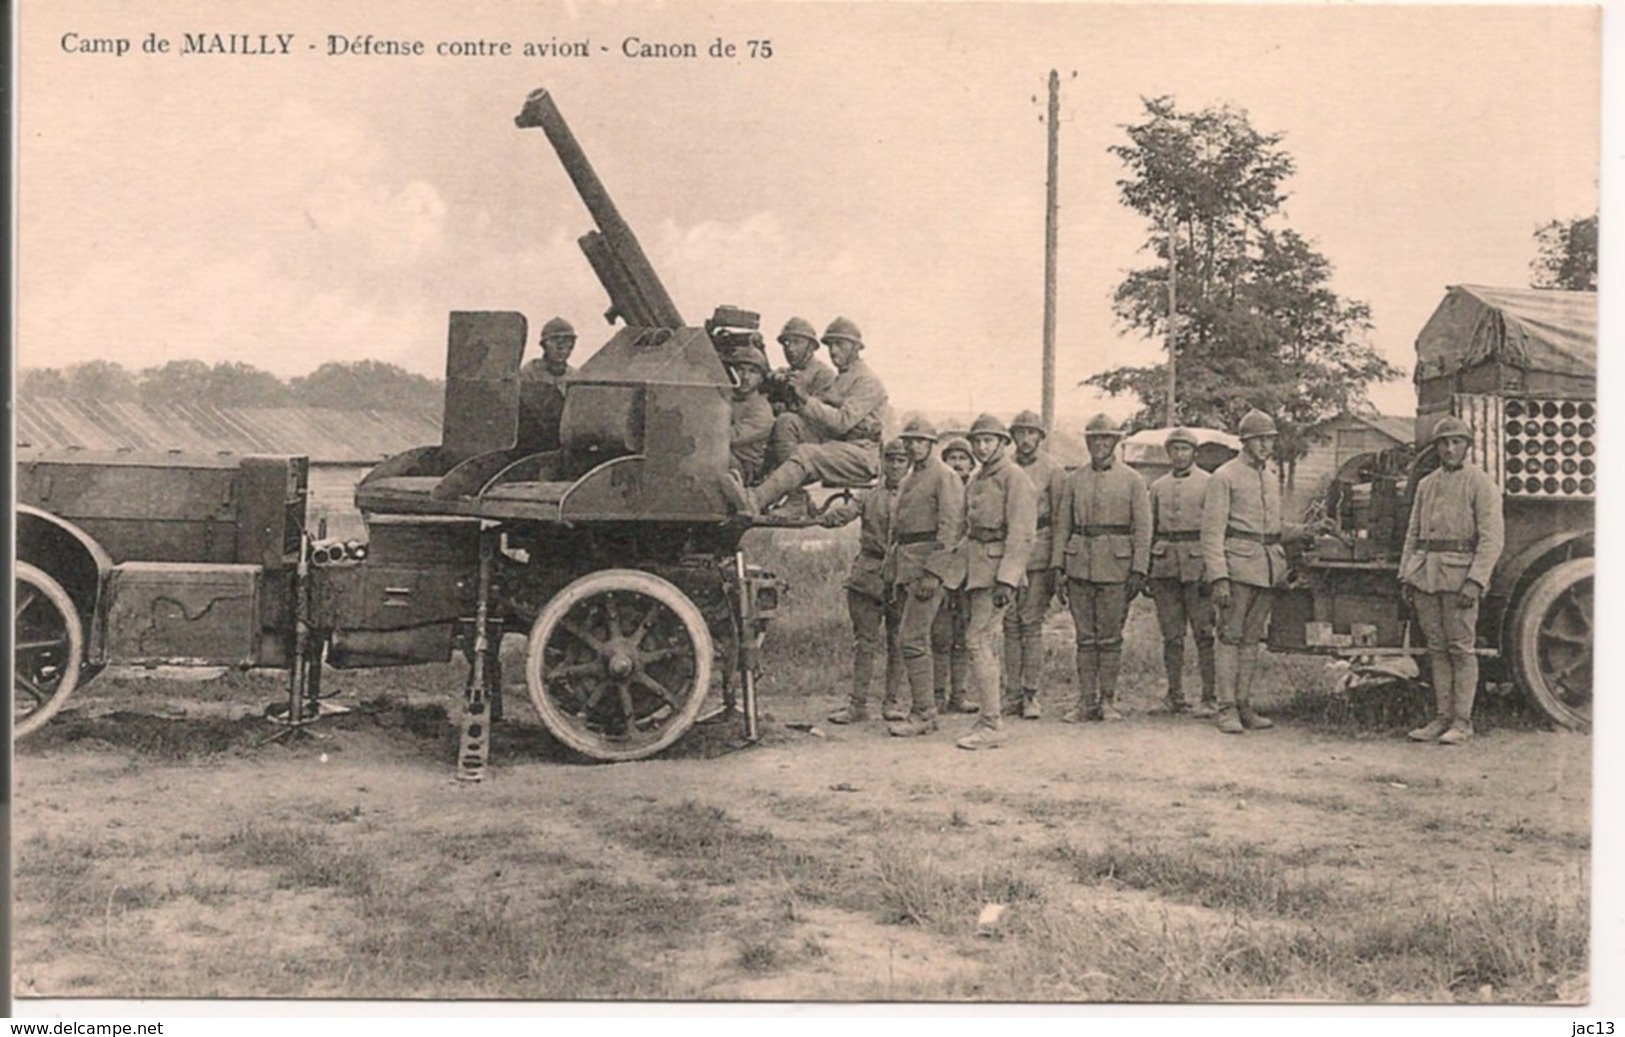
x=1466 y=546
x=872 y=552
x=1180 y=536
x=1106 y=531
x=986 y=535
x=917 y=538
x=1232 y=533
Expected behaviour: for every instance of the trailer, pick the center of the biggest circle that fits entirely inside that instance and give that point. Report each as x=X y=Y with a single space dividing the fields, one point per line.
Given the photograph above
x=1519 y=366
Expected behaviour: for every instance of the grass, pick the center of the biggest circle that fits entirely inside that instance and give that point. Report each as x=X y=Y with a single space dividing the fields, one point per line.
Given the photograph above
x=916 y=888
x=1235 y=878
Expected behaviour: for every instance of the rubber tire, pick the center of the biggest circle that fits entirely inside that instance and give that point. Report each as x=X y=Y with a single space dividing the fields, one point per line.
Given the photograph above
x=603 y=582
x=1530 y=612
x=58 y=597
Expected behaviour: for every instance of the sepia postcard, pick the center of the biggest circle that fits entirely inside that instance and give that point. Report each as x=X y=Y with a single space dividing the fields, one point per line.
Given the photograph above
x=886 y=504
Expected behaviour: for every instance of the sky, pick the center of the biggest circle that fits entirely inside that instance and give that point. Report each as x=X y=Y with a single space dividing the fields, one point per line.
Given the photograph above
x=886 y=163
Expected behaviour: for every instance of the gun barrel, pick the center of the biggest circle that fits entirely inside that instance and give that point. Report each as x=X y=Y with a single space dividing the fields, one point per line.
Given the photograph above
x=636 y=292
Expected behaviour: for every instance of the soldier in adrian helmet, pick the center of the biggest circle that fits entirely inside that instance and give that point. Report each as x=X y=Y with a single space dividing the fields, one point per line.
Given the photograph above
x=1101 y=553
x=1024 y=622
x=1242 y=534
x=950 y=648
x=752 y=415
x=541 y=390
x=832 y=437
x=869 y=598
x=925 y=536
x=805 y=373
x=1177 y=586
x=1001 y=521
x=1455 y=537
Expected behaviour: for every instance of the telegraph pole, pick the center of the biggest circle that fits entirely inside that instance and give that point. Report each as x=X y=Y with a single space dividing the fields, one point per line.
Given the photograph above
x=1050 y=235
x=1173 y=317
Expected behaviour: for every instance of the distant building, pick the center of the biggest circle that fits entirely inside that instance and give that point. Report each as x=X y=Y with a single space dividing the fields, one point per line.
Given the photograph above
x=1333 y=443
x=343 y=445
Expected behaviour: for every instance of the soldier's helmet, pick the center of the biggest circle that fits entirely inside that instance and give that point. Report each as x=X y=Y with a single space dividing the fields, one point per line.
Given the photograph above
x=1181 y=435
x=895 y=447
x=1254 y=424
x=841 y=329
x=1027 y=419
x=747 y=356
x=800 y=328
x=558 y=326
x=919 y=428
x=1101 y=425
x=988 y=425
x=1452 y=427
x=959 y=444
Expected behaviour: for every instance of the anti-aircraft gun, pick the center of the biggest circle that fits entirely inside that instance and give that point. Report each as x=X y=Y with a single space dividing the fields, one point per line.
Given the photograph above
x=616 y=551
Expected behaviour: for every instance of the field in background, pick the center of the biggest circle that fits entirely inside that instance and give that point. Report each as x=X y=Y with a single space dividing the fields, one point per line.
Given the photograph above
x=162 y=849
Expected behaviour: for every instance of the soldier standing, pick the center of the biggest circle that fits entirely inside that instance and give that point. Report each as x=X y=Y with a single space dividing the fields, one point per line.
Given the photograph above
x=1024 y=623
x=752 y=415
x=1001 y=520
x=835 y=436
x=808 y=375
x=542 y=385
x=950 y=650
x=1242 y=534
x=925 y=534
x=869 y=600
x=1102 y=551
x=1177 y=586
x=1454 y=539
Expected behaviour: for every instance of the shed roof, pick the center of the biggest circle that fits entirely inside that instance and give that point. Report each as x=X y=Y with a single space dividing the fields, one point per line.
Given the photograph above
x=1544 y=330
x=325 y=436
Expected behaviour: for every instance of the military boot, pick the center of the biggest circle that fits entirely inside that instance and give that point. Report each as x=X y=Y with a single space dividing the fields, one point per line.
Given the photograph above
x=1443 y=701
x=1465 y=690
x=1110 y=662
x=785 y=479
x=1030 y=709
x=1173 y=664
x=1204 y=666
x=957 y=703
x=940 y=697
x=852 y=713
x=1225 y=661
x=1088 y=690
x=983 y=738
x=1246 y=673
x=913 y=726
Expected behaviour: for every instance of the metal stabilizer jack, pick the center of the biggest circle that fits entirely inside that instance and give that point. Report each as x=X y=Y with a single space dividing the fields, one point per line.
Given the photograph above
x=750 y=638
x=304 y=705
x=475 y=749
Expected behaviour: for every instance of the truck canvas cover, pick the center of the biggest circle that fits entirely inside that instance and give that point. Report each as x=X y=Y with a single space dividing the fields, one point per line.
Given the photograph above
x=1536 y=340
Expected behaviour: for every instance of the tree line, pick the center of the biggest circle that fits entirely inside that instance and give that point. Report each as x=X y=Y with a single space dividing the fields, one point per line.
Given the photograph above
x=1255 y=318
x=355 y=385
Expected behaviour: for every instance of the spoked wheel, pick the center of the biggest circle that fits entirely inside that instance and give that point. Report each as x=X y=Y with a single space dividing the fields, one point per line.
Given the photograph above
x=618 y=664
x=48 y=649
x=1553 y=634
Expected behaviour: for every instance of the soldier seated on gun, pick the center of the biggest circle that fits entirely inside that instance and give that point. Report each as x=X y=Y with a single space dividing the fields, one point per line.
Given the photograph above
x=752 y=420
x=834 y=437
x=805 y=376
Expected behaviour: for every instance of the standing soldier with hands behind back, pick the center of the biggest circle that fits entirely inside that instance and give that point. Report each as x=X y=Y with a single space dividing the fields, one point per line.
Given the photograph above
x=1454 y=539
x=1242 y=534
x=1101 y=554
x=1177 y=587
x=1024 y=623
x=925 y=535
x=869 y=600
x=1001 y=519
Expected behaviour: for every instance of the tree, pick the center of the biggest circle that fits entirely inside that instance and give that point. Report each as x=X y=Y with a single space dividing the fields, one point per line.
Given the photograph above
x=366 y=385
x=103 y=380
x=41 y=383
x=1258 y=323
x=1568 y=255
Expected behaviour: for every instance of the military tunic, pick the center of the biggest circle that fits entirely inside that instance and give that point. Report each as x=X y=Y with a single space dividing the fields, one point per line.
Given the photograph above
x=835 y=437
x=752 y=423
x=926 y=530
x=1242 y=527
x=1024 y=624
x=1177 y=585
x=1001 y=522
x=541 y=404
x=871 y=609
x=1456 y=532
x=813 y=379
x=1103 y=526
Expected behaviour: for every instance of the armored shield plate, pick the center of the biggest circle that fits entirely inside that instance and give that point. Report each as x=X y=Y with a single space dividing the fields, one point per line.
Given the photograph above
x=482 y=382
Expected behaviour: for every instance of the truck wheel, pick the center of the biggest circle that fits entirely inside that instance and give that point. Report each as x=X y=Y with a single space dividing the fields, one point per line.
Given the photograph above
x=618 y=664
x=1552 y=632
x=48 y=651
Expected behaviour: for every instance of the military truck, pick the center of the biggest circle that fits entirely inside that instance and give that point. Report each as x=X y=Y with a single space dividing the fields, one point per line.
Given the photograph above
x=1520 y=366
x=615 y=551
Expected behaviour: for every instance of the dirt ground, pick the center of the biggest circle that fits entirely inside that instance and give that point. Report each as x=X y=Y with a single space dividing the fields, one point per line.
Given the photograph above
x=161 y=850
